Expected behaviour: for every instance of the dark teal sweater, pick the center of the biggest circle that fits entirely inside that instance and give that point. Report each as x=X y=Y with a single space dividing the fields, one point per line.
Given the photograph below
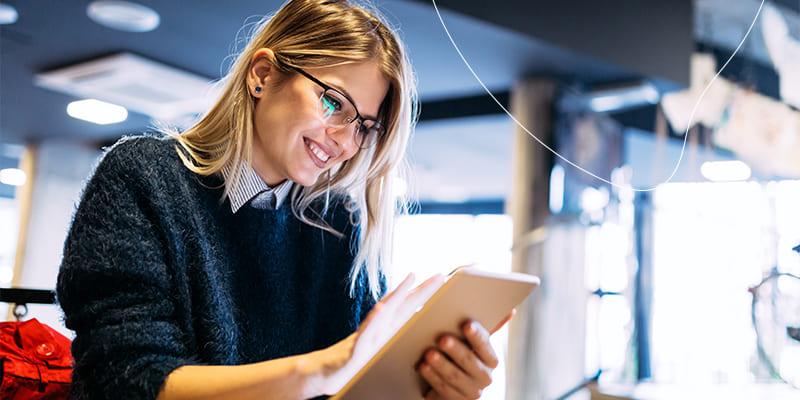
x=158 y=273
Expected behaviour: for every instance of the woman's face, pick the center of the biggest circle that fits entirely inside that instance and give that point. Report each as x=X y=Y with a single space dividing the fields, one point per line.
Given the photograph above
x=292 y=141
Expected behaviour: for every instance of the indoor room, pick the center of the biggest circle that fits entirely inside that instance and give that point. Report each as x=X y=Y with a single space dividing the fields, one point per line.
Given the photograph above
x=637 y=160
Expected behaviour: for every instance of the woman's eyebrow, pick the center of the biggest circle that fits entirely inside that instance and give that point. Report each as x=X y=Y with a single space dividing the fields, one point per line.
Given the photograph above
x=349 y=97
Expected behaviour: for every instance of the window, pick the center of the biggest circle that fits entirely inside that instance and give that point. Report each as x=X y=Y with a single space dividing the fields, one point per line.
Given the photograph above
x=429 y=243
x=712 y=241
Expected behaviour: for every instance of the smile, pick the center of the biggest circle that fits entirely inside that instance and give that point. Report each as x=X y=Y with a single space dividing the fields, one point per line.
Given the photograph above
x=318 y=153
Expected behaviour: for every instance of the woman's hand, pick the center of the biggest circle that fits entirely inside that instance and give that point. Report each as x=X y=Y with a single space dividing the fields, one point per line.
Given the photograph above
x=306 y=375
x=343 y=360
x=457 y=370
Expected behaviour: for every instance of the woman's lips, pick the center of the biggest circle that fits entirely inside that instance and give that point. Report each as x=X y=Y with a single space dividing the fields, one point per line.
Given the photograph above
x=318 y=155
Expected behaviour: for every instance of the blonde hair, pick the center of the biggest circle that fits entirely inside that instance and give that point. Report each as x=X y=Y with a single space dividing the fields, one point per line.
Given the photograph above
x=319 y=33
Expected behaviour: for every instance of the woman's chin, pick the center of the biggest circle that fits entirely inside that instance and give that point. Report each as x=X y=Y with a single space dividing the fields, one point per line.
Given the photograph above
x=307 y=179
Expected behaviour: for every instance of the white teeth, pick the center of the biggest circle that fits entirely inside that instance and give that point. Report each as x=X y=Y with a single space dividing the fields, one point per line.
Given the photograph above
x=321 y=155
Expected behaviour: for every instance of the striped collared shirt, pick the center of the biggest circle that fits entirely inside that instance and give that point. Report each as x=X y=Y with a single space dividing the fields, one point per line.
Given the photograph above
x=251 y=188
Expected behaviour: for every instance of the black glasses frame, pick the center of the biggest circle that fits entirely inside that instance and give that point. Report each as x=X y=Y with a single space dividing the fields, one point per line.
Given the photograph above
x=358 y=117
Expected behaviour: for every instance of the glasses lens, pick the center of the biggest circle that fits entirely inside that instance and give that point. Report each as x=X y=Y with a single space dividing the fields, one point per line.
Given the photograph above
x=368 y=133
x=335 y=109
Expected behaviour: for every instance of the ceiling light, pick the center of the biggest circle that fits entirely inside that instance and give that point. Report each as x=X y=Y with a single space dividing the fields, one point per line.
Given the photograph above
x=12 y=176
x=623 y=97
x=557 y=189
x=594 y=199
x=139 y=84
x=720 y=171
x=123 y=16
x=8 y=14
x=96 y=111
x=612 y=98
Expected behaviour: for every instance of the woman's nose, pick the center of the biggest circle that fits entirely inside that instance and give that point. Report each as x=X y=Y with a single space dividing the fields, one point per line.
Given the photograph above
x=343 y=136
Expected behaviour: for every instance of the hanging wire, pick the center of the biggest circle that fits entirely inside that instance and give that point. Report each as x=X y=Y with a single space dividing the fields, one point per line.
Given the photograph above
x=769 y=296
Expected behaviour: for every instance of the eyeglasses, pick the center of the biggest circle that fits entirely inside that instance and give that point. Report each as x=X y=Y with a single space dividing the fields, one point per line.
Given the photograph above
x=339 y=111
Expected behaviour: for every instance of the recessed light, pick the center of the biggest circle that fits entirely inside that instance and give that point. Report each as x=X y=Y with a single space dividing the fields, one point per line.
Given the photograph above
x=8 y=14
x=123 y=15
x=623 y=97
x=96 y=111
x=721 y=171
x=12 y=176
x=557 y=189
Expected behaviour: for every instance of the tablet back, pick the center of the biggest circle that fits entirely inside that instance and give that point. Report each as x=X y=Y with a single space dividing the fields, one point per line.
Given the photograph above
x=468 y=294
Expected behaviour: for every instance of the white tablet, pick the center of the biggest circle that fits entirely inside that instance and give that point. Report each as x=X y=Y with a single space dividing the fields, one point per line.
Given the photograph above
x=467 y=294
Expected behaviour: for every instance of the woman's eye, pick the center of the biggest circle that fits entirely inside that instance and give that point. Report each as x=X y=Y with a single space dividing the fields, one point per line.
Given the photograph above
x=331 y=103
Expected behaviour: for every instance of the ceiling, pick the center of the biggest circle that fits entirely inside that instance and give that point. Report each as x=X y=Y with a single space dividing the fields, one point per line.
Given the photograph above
x=198 y=38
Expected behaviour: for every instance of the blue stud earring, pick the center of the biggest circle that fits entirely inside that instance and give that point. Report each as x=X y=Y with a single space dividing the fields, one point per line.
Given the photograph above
x=258 y=89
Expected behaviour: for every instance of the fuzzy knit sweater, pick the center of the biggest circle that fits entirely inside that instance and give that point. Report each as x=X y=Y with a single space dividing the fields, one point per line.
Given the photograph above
x=158 y=273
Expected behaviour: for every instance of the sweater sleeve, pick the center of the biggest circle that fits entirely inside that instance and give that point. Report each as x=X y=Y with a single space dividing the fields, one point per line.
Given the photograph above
x=114 y=286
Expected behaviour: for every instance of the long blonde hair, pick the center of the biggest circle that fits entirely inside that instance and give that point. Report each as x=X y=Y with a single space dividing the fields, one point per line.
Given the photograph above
x=319 y=33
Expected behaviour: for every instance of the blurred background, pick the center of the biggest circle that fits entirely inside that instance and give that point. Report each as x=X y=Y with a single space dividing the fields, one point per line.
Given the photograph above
x=663 y=234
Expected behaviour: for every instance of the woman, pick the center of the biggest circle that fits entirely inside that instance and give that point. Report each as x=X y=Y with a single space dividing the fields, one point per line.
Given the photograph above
x=187 y=275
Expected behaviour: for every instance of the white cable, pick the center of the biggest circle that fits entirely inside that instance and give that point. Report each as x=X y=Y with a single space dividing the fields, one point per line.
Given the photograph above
x=686 y=134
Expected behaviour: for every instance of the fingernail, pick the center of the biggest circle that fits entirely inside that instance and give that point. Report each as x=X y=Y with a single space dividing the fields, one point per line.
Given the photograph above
x=409 y=279
x=447 y=342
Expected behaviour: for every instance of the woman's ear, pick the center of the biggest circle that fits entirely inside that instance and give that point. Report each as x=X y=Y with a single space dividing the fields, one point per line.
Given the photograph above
x=262 y=69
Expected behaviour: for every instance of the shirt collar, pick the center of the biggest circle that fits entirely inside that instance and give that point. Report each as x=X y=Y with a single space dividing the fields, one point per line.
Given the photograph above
x=250 y=187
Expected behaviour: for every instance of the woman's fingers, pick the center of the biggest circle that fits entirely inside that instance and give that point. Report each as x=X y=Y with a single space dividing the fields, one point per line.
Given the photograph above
x=391 y=301
x=446 y=379
x=423 y=292
x=402 y=289
x=459 y=370
x=383 y=321
x=404 y=302
x=405 y=308
x=478 y=339
x=404 y=295
x=395 y=309
x=466 y=360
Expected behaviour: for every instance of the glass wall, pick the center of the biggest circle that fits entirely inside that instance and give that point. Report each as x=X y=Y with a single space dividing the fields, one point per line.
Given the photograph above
x=712 y=242
x=426 y=244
